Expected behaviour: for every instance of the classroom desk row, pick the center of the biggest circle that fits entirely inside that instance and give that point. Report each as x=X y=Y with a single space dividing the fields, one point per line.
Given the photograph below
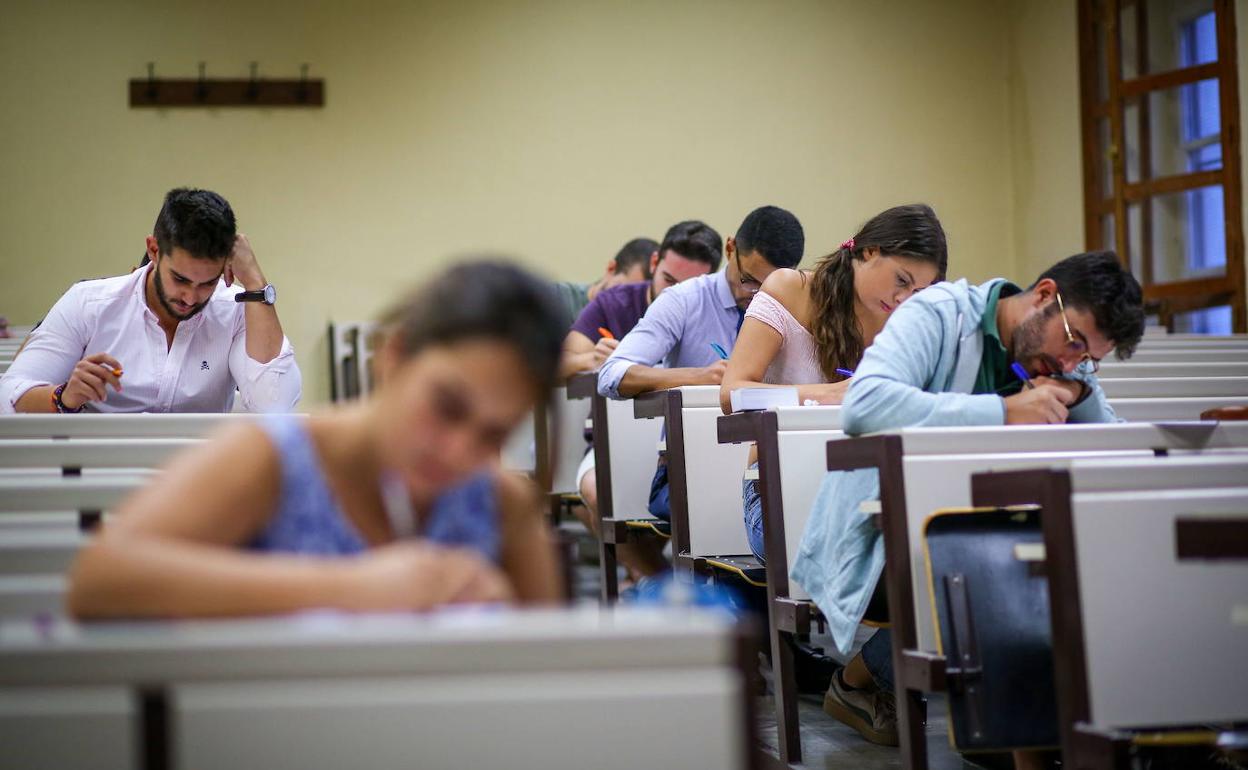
x=706 y=529
x=454 y=689
x=706 y=477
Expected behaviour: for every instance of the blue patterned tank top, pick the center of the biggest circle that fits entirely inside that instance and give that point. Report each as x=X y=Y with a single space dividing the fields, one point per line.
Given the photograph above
x=309 y=520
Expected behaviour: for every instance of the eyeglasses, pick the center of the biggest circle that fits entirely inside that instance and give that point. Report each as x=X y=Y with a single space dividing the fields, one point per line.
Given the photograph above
x=745 y=278
x=1076 y=347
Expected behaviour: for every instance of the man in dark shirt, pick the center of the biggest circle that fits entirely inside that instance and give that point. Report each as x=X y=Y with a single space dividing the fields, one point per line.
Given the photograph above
x=618 y=308
x=630 y=265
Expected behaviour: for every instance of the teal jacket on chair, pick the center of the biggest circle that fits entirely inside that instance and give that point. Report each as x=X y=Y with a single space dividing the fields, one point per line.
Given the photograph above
x=919 y=372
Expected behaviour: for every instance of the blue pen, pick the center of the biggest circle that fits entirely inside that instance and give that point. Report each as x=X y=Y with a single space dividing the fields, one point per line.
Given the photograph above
x=719 y=349
x=845 y=372
x=1021 y=373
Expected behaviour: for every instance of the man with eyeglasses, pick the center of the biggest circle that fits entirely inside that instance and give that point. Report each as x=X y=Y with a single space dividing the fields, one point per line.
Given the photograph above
x=947 y=360
x=675 y=342
x=946 y=357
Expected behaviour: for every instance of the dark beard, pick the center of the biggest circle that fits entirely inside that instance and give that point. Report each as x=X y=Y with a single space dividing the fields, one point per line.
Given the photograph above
x=1027 y=341
x=167 y=305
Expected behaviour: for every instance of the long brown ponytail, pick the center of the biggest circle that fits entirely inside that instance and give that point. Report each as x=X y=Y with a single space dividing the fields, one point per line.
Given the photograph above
x=903 y=231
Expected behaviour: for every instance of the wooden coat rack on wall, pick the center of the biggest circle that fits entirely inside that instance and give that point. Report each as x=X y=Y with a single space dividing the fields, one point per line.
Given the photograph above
x=220 y=92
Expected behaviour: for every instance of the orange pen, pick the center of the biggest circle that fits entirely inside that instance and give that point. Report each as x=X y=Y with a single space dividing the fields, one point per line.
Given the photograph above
x=605 y=332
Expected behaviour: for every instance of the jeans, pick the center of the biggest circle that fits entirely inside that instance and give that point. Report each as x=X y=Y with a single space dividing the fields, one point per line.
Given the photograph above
x=660 y=493
x=753 y=507
x=877 y=654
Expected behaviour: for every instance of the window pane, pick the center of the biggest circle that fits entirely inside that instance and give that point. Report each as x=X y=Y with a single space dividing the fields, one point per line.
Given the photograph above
x=1129 y=39
x=1210 y=320
x=1179 y=35
x=1176 y=130
x=1135 y=238
x=1108 y=236
x=1201 y=112
x=1198 y=38
x=1131 y=117
x=1188 y=235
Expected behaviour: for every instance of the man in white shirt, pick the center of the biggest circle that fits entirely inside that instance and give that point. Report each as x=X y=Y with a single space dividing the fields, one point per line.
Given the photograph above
x=178 y=334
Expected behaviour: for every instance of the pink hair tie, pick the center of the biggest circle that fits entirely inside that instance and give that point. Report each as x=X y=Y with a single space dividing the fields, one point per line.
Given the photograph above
x=848 y=244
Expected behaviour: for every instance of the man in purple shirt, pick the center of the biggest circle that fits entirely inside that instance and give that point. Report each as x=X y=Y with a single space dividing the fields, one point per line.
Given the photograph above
x=618 y=308
x=689 y=249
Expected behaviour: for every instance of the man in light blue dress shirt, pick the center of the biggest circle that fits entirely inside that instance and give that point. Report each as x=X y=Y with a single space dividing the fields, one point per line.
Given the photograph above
x=674 y=343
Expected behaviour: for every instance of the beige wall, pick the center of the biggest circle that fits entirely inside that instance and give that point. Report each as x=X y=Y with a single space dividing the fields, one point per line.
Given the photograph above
x=552 y=130
x=1047 y=164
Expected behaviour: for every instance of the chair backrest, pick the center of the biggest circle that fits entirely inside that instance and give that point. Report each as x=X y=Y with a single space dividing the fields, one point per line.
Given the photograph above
x=992 y=618
x=632 y=448
x=569 y=442
x=351 y=359
x=790 y=443
x=802 y=433
x=713 y=472
x=563 y=451
x=1164 y=638
x=519 y=452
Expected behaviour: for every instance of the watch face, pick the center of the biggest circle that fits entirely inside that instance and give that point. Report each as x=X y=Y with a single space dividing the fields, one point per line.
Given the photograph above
x=270 y=294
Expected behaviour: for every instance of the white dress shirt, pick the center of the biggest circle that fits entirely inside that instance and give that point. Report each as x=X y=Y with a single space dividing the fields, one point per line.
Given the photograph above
x=198 y=373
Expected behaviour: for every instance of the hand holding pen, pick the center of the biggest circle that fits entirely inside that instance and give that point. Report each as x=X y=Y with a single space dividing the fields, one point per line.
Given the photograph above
x=90 y=379
x=1043 y=404
x=606 y=345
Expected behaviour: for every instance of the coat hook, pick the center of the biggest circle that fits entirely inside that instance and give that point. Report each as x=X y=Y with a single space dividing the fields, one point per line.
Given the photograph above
x=151 y=81
x=253 y=87
x=202 y=90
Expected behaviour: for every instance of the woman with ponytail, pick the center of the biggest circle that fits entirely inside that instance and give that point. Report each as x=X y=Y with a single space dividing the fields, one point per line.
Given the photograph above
x=809 y=328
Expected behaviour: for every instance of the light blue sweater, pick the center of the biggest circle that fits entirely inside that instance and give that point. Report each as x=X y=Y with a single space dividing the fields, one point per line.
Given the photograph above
x=920 y=371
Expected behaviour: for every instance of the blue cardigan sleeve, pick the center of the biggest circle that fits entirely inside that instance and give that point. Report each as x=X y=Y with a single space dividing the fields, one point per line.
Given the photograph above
x=892 y=385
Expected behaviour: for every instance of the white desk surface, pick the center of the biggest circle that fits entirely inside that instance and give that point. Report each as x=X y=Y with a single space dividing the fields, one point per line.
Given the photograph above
x=113 y=425
x=327 y=644
x=91 y=452
x=978 y=439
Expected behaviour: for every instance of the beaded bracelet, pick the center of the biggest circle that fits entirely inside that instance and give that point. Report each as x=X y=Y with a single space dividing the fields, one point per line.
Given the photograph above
x=59 y=405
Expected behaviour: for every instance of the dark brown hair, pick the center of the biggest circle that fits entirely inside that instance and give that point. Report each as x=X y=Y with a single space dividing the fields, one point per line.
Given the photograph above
x=485 y=298
x=911 y=231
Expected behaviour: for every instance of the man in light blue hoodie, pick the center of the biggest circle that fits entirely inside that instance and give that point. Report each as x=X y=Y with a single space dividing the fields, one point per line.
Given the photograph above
x=944 y=358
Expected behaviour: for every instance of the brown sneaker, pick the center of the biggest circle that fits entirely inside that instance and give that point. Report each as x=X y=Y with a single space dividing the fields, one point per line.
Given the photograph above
x=873 y=713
